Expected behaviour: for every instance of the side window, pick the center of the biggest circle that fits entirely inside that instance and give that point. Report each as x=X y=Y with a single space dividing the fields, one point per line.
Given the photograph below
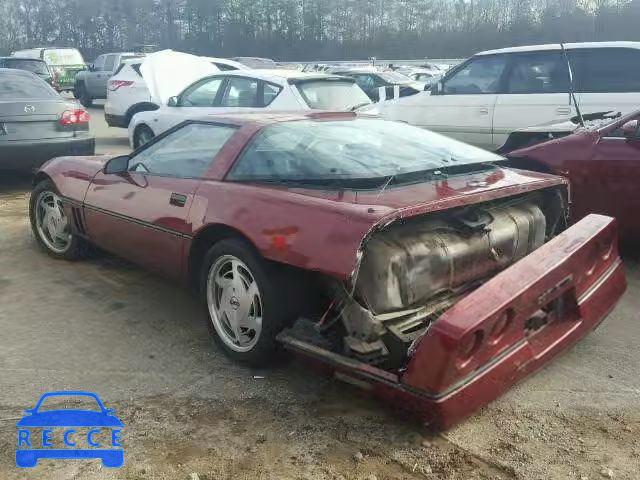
x=538 y=73
x=185 y=153
x=606 y=70
x=365 y=82
x=202 y=94
x=480 y=75
x=270 y=93
x=241 y=92
x=110 y=63
x=98 y=64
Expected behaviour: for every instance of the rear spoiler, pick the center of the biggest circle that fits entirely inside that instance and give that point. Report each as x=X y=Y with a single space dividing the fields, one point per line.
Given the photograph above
x=330 y=78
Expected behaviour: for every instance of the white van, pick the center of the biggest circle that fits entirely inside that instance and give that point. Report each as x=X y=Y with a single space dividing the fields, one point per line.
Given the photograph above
x=484 y=99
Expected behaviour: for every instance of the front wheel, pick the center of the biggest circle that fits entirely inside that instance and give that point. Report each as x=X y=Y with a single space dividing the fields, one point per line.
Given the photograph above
x=245 y=301
x=142 y=136
x=81 y=93
x=50 y=224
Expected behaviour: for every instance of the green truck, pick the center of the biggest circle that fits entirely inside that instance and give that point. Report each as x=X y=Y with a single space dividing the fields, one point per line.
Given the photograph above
x=63 y=62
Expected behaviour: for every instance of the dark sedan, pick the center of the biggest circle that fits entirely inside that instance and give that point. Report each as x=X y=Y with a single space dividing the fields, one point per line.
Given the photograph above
x=33 y=65
x=373 y=83
x=37 y=124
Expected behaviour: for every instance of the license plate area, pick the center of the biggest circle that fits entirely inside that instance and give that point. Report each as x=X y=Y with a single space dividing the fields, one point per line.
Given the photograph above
x=552 y=321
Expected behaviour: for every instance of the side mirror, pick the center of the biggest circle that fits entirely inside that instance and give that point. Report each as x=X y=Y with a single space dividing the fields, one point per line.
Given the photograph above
x=630 y=130
x=91 y=67
x=173 y=102
x=117 y=165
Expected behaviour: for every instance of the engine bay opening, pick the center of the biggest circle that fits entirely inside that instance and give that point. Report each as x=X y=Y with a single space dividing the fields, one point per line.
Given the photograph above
x=413 y=270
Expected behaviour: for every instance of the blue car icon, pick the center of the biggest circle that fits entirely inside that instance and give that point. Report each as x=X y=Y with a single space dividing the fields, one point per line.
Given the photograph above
x=27 y=457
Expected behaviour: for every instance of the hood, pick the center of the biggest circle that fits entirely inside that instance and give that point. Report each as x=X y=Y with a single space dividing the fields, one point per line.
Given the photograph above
x=168 y=73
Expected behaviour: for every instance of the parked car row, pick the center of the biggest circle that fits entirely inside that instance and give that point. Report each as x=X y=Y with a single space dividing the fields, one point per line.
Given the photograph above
x=452 y=271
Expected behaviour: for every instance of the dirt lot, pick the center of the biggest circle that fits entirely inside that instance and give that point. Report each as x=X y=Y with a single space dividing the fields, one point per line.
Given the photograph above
x=141 y=345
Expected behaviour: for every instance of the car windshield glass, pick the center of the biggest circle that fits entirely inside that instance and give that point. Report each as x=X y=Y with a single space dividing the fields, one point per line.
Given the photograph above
x=350 y=149
x=24 y=86
x=332 y=94
x=35 y=66
x=63 y=56
x=69 y=402
x=394 y=77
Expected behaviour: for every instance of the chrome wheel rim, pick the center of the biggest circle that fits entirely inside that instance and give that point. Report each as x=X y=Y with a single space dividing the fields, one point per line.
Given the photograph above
x=235 y=304
x=51 y=222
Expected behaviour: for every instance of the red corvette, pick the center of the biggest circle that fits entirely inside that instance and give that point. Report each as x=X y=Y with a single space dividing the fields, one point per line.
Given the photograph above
x=602 y=163
x=407 y=263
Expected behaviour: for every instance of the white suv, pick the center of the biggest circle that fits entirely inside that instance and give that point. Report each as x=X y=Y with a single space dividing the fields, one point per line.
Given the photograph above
x=127 y=94
x=484 y=99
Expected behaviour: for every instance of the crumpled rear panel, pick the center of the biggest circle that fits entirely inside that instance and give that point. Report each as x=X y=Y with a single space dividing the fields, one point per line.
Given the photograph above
x=409 y=263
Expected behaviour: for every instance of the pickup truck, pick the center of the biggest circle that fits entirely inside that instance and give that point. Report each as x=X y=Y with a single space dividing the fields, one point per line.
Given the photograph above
x=92 y=83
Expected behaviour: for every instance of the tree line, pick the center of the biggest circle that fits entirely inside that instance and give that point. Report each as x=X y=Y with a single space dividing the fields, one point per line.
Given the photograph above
x=313 y=30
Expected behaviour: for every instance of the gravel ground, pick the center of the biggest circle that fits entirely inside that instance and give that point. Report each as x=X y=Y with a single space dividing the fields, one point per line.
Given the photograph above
x=141 y=344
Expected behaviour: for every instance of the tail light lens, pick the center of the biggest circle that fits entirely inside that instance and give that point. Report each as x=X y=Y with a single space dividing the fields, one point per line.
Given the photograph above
x=116 y=84
x=74 y=117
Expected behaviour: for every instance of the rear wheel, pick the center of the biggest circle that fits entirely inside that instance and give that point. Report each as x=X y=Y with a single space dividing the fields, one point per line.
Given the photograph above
x=81 y=93
x=245 y=301
x=50 y=224
x=142 y=136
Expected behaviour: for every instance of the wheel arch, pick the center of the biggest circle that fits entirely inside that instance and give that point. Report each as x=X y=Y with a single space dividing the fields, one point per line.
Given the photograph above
x=40 y=177
x=139 y=107
x=203 y=240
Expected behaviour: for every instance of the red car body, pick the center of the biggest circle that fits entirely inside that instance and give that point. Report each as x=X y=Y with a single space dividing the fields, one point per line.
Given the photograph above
x=603 y=167
x=475 y=351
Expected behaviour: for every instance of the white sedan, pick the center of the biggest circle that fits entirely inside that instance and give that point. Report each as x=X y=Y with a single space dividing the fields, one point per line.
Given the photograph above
x=245 y=91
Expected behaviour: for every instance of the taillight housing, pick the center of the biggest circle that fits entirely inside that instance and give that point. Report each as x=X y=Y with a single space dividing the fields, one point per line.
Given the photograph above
x=116 y=84
x=74 y=117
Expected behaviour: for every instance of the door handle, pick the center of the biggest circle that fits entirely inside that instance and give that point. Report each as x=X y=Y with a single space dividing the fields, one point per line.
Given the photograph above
x=563 y=110
x=483 y=111
x=178 y=199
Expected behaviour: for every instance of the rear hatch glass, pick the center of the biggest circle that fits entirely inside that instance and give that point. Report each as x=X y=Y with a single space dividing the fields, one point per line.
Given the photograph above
x=332 y=94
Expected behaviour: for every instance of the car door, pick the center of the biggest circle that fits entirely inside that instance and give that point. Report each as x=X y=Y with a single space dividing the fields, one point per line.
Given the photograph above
x=142 y=214
x=200 y=98
x=536 y=90
x=607 y=79
x=91 y=76
x=461 y=107
x=101 y=78
x=609 y=181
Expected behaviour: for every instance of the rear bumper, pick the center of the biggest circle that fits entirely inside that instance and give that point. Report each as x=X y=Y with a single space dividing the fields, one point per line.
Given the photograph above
x=30 y=155
x=116 y=120
x=485 y=343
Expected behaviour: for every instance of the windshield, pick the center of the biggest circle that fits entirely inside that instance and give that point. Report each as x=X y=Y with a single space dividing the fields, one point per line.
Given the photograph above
x=332 y=95
x=350 y=149
x=394 y=77
x=35 y=66
x=63 y=56
x=24 y=86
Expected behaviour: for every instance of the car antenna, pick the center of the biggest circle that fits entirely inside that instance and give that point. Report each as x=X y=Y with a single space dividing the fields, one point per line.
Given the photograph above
x=572 y=94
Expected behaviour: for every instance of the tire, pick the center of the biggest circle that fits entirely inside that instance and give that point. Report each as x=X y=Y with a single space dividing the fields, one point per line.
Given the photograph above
x=75 y=247
x=142 y=135
x=272 y=307
x=83 y=96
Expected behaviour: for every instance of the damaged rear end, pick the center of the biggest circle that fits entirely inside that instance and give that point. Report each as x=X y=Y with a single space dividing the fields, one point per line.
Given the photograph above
x=448 y=309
